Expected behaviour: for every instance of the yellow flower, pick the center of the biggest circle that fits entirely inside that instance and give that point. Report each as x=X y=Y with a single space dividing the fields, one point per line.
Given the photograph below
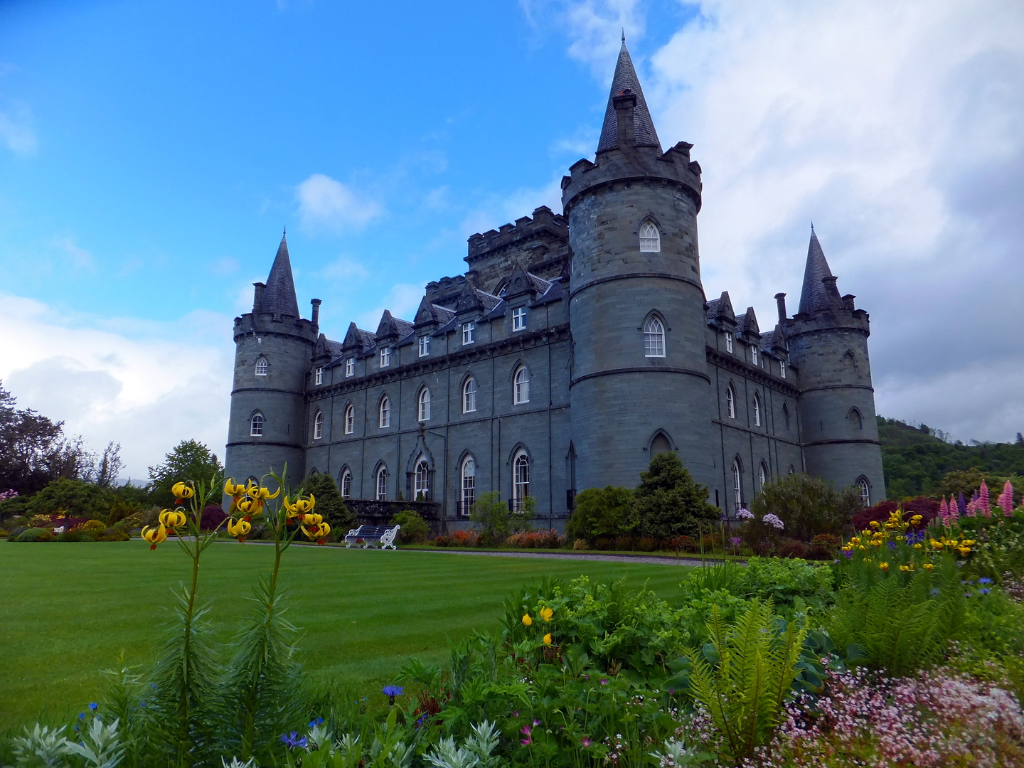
x=264 y=493
x=172 y=519
x=968 y=542
x=964 y=551
x=884 y=566
x=874 y=524
x=248 y=506
x=239 y=529
x=252 y=488
x=906 y=568
x=547 y=639
x=182 y=491
x=917 y=546
x=154 y=535
x=916 y=519
x=862 y=548
x=855 y=540
x=319 y=532
x=935 y=544
x=527 y=621
x=928 y=566
x=546 y=613
x=312 y=519
x=233 y=489
x=299 y=506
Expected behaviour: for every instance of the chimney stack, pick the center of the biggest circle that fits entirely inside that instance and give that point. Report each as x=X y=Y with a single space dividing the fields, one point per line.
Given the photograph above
x=316 y=311
x=257 y=301
x=780 y=300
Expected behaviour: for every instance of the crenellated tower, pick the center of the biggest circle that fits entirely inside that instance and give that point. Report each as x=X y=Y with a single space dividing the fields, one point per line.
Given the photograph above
x=828 y=343
x=640 y=382
x=273 y=347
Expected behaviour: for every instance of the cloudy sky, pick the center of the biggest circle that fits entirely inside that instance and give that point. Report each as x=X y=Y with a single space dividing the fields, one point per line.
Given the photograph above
x=151 y=153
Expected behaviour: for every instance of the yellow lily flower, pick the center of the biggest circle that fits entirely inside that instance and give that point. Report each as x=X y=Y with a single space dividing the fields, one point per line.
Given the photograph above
x=874 y=524
x=182 y=491
x=546 y=613
x=248 y=506
x=172 y=519
x=884 y=566
x=239 y=529
x=527 y=621
x=264 y=493
x=917 y=546
x=154 y=535
x=906 y=568
x=319 y=532
x=233 y=489
x=312 y=519
x=547 y=639
x=964 y=551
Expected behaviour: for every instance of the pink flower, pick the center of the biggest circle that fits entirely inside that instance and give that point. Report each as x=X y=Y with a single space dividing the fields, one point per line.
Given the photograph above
x=983 y=505
x=585 y=742
x=1006 y=499
x=526 y=732
x=944 y=512
x=604 y=681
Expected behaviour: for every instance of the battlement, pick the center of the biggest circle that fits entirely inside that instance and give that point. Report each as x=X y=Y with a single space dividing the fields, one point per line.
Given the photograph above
x=265 y=323
x=636 y=164
x=540 y=244
x=446 y=291
x=545 y=225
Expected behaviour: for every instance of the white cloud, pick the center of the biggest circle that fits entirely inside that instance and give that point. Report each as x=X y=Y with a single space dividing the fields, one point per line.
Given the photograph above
x=492 y=212
x=402 y=300
x=597 y=26
x=143 y=384
x=79 y=258
x=327 y=204
x=16 y=131
x=899 y=129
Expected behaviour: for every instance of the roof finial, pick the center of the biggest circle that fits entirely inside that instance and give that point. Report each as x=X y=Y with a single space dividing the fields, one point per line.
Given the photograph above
x=812 y=227
x=623 y=35
x=285 y=232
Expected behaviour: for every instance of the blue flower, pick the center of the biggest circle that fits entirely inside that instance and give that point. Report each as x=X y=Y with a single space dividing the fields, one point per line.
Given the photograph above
x=93 y=706
x=142 y=704
x=292 y=740
x=391 y=691
x=892 y=545
x=935 y=591
x=984 y=591
x=315 y=722
x=984 y=580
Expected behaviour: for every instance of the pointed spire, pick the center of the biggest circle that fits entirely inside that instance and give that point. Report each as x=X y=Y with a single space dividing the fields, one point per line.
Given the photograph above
x=643 y=127
x=814 y=296
x=279 y=295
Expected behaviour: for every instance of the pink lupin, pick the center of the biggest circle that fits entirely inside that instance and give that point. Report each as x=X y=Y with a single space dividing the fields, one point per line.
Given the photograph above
x=954 y=511
x=983 y=502
x=944 y=512
x=1006 y=499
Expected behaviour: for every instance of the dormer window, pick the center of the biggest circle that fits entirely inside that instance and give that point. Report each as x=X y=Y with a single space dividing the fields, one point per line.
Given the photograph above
x=261 y=366
x=319 y=376
x=753 y=354
x=424 y=346
x=385 y=357
x=782 y=368
x=650 y=239
x=728 y=342
x=468 y=333
x=519 y=319
x=350 y=367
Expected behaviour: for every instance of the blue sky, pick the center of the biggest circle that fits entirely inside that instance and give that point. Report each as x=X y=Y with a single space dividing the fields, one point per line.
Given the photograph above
x=151 y=152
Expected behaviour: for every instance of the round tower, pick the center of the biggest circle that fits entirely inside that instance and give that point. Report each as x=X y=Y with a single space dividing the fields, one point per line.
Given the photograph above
x=273 y=346
x=828 y=344
x=639 y=370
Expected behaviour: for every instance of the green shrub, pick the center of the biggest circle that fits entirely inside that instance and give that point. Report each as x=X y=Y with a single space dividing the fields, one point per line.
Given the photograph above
x=807 y=505
x=74 y=536
x=669 y=502
x=414 y=528
x=496 y=522
x=329 y=502
x=113 y=534
x=15 y=532
x=600 y=512
x=76 y=498
x=36 y=534
x=789 y=584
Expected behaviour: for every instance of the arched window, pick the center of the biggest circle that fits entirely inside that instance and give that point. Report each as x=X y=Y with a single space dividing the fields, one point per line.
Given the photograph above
x=468 y=493
x=650 y=239
x=261 y=366
x=520 y=480
x=654 y=338
x=382 y=483
x=256 y=425
x=521 y=386
x=424 y=407
x=660 y=444
x=350 y=419
x=421 y=480
x=762 y=474
x=346 y=483
x=757 y=410
x=865 y=491
x=855 y=419
x=318 y=425
x=791 y=470
x=469 y=395
x=385 y=412
x=785 y=414
x=737 y=485
x=730 y=401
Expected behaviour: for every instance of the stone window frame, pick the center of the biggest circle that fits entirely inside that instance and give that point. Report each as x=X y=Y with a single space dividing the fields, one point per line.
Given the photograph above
x=467 y=484
x=518 y=319
x=469 y=332
x=424 y=345
x=318 y=375
x=343 y=476
x=262 y=365
x=785 y=414
x=737 y=482
x=385 y=357
x=318 y=425
x=655 y=332
x=350 y=419
x=649 y=235
x=520 y=476
x=421 y=474
x=350 y=367
x=662 y=433
x=782 y=368
x=757 y=409
x=521 y=384
x=384 y=412
x=423 y=404
x=380 y=482
x=864 y=485
x=730 y=400
x=728 y=342
x=468 y=381
x=753 y=355
x=856 y=418
x=763 y=474
x=256 y=423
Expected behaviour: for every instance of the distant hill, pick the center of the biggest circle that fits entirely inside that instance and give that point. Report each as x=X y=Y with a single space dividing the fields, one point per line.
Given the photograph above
x=917 y=461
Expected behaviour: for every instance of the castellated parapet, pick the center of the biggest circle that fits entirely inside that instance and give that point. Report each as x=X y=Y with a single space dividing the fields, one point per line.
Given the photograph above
x=539 y=244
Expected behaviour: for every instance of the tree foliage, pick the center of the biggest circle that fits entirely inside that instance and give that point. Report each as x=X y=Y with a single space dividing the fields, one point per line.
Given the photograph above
x=77 y=498
x=329 y=502
x=190 y=459
x=807 y=505
x=495 y=521
x=669 y=502
x=599 y=513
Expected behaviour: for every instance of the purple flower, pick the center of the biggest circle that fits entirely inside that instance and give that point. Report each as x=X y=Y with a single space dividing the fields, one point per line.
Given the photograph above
x=984 y=591
x=526 y=732
x=735 y=540
x=585 y=742
x=774 y=521
x=292 y=740
x=536 y=723
x=391 y=691
x=604 y=681
x=744 y=514
x=984 y=580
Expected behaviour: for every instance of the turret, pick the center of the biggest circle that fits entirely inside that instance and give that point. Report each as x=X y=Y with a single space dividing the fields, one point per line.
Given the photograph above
x=639 y=370
x=828 y=343
x=273 y=346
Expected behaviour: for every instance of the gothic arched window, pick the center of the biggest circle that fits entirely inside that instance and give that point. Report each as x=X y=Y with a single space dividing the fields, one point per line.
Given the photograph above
x=421 y=480
x=424 y=405
x=346 y=484
x=318 y=425
x=855 y=419
x=382 y=483
x=350 y=419
x=261 y=366
x=785 y=414
x=730 y=401
x=865 y=491
x=467 y=498
x=520 y=479
x=256 y=425
x=521 y=386
x=469 y=395
x=737 y=484
x=762 y=474
x=654 y=338
x=650 y=239
x=757 y=410
x=385 y=412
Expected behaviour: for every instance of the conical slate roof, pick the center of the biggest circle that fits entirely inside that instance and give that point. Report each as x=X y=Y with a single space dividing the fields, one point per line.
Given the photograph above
x=279 y=295
x=643 y=127
x=814 y=296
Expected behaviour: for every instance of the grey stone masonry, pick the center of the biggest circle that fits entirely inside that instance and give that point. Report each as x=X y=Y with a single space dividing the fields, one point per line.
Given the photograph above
x=576 y=346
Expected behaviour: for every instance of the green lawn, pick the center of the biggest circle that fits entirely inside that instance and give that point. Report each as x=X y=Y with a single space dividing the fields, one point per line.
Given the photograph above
x=71 y=609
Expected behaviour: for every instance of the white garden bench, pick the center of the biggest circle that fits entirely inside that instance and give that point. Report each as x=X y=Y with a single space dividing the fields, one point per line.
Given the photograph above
x=372 y=533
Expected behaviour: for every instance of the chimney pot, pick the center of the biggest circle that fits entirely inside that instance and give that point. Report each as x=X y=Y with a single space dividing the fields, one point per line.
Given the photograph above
x=316 y=311
x=780 y=300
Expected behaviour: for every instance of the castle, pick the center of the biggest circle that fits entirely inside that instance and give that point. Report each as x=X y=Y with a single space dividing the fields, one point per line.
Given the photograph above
x=575 y=347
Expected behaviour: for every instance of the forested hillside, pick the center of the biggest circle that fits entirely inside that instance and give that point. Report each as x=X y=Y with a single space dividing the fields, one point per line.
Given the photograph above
x=917 y=462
